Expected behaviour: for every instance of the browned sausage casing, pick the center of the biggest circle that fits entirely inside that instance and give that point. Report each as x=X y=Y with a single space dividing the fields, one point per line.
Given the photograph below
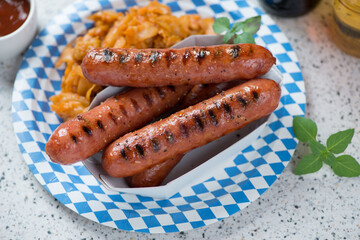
x=161 y=67
x=155 y=175
x=79 y=138
x=191 y=127
x=202 y=92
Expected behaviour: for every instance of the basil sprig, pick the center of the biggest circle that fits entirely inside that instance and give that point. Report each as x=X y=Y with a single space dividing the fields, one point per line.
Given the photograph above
x=344 y=165
x=249 y=27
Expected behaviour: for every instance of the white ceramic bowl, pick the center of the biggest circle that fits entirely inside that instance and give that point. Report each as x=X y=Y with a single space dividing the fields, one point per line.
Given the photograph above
x=13 y=44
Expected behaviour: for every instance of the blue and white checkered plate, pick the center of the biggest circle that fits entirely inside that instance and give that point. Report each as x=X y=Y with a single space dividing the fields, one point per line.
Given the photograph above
x=230 y=190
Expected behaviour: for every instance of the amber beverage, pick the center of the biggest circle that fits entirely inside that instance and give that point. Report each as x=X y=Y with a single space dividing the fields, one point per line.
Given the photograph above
x=346 y=26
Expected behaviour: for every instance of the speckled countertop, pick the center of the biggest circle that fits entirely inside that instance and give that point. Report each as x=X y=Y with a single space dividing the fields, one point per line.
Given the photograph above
x=314 y=206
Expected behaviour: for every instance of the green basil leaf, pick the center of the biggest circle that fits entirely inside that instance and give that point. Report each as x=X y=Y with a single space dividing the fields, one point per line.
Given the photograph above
x=326 y=156
x=346 y=166
x=221 y=25
x=237 y=27
x=329 y=158
x=304 y=129
x=228 y=35
x=252 y=25
x=308 y=164
x=244 y=38
x=316 y=147
x=338 y=142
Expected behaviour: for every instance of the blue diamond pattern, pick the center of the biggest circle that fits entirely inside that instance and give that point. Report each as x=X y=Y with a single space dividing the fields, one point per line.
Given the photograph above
x=199 y=3
x=206 y=214
x=231 y=209
x=246 y=185
x=103 y=216
x=217 y=8
x=239 y=197
x=178 y=217
x=170 y=228
x=174 y=6
x=219 y=192
x=123 y=224
x=232 y=171
x=151 y=221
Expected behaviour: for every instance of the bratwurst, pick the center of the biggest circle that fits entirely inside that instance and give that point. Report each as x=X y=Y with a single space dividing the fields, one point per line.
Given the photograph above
x=191 y=127
x=155 y=175
x=83 y=136
x=185 y=66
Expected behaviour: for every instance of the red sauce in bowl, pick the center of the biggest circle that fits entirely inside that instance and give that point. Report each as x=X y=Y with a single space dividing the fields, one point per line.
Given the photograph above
x=13 y=14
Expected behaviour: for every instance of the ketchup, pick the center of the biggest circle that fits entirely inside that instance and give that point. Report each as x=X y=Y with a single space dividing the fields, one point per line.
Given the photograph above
x=13 y=14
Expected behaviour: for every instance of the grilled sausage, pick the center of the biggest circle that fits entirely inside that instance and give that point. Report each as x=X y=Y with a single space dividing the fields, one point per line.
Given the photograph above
x=191 y=127
x=191 y=65
x=155 y=175
x=79 y=138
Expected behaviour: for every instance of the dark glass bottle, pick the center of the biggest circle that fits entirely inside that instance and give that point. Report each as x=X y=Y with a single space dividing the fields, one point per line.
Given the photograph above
x=288 y=8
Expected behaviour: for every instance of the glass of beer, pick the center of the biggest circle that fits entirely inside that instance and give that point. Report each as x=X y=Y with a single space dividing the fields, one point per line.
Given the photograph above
x=345 y=26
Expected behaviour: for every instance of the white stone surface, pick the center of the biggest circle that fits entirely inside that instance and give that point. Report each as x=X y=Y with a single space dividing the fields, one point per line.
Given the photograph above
x=314 y=206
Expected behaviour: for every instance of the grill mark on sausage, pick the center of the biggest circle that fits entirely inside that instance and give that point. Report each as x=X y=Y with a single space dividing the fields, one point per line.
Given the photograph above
x=217 y=105
x=80 y=118
x=139 y=149
x=87 y=130
x=170 y=56
x=74 y=138
x=160 y=92
x=127 y=147
x=169 y=136
x=112 y=117
x=172 y=88
x=135 y=104
x=255 y=95
x=183 y=130
x=186 y=57
x=148 y=99
x=228 y=110
x=123 y=110
x=154 y=57
x=155 y=144
x=213 y=117
x=123 y=57
x=139 y=57
x=107 y=55
x=242 y=101
x=235 y=51
x=123 y=153
x=201 y=55
x=251 y=51
x=100 y=124
x=199 y=124
x=217 y=52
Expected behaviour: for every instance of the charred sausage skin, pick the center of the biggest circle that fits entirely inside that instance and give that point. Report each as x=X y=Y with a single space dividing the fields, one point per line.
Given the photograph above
x=155 y=175
x=83 y=136
x=185 y=66
x=191 y=127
